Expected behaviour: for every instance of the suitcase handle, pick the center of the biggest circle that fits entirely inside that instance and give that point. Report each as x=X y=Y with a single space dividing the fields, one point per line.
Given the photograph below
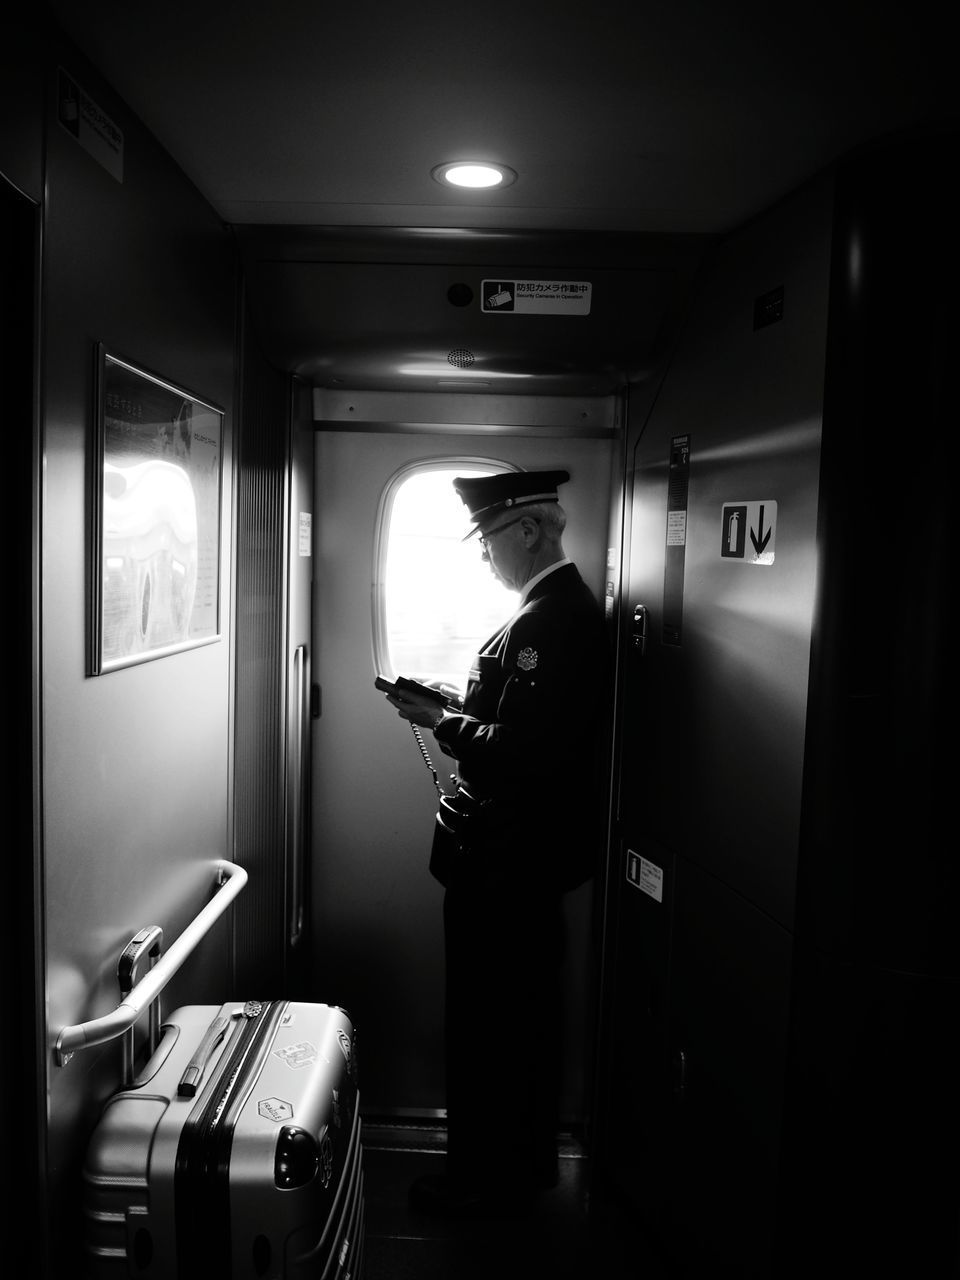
x=193 y=1074
x=230 y=880
x=148 y=942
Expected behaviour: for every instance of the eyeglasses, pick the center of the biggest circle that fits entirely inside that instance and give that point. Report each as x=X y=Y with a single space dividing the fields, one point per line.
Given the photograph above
x=485 y=537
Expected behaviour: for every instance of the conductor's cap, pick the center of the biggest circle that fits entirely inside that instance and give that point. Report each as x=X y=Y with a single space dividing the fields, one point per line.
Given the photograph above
x=487 y=497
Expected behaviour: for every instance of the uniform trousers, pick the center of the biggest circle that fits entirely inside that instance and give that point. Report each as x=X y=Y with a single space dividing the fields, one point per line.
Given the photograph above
x=504 y=948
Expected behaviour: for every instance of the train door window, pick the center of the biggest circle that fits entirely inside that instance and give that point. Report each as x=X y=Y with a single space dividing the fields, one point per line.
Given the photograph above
x=435 y=599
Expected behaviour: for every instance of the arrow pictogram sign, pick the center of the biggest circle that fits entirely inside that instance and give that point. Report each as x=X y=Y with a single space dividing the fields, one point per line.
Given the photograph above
x=760 y=539
x=759 y=519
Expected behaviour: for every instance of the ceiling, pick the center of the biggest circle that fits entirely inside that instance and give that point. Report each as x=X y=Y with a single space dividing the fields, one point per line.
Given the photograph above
x=639 y=132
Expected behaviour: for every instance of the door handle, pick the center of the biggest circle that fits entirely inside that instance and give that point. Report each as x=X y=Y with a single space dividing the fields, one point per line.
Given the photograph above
x=679 y=1064
x=297 y=713
x=638 y=630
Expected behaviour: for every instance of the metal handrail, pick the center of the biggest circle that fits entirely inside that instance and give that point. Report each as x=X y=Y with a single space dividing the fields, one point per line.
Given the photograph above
x=231 y=879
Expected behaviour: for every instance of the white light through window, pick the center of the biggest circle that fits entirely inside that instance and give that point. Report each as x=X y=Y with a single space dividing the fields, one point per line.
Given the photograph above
x=438 y=601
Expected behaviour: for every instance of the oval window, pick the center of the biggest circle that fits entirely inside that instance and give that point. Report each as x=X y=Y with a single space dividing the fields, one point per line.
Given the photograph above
x=435 y=599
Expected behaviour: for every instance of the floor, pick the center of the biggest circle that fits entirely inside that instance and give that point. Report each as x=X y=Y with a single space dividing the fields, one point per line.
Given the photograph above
x=566 y=1236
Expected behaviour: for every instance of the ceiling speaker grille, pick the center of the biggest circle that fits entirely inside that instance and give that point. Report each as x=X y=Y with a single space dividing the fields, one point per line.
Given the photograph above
x=460 y=358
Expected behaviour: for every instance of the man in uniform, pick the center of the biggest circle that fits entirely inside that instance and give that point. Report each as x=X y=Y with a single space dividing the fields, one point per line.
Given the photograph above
x=524 y=827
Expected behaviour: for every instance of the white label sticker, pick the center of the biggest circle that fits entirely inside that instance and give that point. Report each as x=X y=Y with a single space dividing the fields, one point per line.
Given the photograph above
x=536 y=297
x=645 y=876
x=306 y=524
x=676 y=528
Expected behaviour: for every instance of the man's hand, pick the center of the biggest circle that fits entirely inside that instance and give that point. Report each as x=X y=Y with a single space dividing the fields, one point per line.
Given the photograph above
x=410 y=706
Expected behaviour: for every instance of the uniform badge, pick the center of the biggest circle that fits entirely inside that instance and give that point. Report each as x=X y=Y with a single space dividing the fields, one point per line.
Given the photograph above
x=527 y=659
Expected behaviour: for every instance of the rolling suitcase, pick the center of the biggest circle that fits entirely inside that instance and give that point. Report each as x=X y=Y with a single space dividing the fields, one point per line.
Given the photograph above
x=236 y=1152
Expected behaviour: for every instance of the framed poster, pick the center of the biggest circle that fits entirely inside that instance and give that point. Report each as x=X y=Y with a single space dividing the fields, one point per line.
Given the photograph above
x=157 y=480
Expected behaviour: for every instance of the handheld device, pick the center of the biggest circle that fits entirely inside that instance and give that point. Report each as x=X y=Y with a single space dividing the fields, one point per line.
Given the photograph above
x=401 y=684
x=397 y=688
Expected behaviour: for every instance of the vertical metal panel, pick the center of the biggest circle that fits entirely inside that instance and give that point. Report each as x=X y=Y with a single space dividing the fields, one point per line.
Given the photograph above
x=21 y=940
x=873 y=1117
x=723 y=710
x=879 y=883
x=260 y=749
x=299 y=674
x=712 y=753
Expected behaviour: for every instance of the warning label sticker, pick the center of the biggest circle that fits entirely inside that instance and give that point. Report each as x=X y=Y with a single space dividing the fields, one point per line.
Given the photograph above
x=644 y=875
x=275 y=1109
x=536 y=297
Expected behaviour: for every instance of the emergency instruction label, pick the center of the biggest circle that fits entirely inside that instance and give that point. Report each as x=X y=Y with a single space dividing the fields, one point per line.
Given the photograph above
x=536 y=297
x=645 y=875
x=305 y=531
x=748 y=532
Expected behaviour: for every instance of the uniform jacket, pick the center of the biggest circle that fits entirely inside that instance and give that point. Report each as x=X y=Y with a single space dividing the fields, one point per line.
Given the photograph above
x=528 y=739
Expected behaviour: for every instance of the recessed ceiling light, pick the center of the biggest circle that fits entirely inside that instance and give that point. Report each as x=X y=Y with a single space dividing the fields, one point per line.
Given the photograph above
x=474 y=174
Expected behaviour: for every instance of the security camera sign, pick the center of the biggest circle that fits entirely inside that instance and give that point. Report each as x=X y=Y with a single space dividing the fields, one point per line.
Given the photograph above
x=536 y=297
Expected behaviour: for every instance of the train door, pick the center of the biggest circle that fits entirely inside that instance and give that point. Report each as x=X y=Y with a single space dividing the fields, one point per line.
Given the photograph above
x=273 y=643
x=718 y=602
x=376 y=911
x=298 y=659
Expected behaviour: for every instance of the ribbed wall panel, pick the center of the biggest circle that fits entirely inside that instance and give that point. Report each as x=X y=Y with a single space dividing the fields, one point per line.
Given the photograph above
x=260 y=742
